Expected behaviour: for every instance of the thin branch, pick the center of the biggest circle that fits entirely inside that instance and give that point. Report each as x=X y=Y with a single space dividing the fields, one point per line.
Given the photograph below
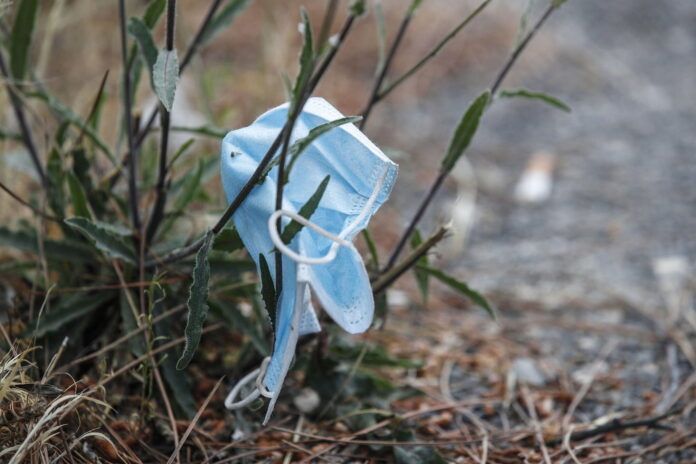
x=28 y=205
x=617 y=425
x=389 y=277
x=327 y=22
x=442 y=175
x=416 y=219
x=400 y=80
x=128 y=107
x=157 y=213
x=27 y=138
x=374 y=95
x=268 y=157
x=520 y=48
x=190 y=52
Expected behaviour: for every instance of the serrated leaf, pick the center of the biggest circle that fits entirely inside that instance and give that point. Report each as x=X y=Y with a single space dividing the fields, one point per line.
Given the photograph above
x=154 y=12
x=64 y=250
x=268 y=292
x=78 y=196
x=223 y=19
x=65 y=312
x=305 y=211
x=139 y=30
x=20 y=38
x=110 y=244
x=421 y=276
x=197 y=303
x=228 y=240
x=165 y=75
x=545 y=98
x=465 y=131
x=460 y=287
x=178 y=382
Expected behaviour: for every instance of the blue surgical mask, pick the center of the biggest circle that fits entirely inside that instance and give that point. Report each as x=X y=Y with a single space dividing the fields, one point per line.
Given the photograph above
x=322 y=256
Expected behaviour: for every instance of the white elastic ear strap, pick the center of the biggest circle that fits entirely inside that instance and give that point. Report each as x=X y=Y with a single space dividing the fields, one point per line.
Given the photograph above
x=338 y=240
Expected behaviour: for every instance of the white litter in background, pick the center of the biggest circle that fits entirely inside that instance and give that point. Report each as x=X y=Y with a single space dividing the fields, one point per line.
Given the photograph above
x=536 y=182
x=463 y=208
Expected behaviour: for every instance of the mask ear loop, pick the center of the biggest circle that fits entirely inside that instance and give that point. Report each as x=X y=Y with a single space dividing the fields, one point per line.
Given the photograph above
x=338 y=240
x=260 y=389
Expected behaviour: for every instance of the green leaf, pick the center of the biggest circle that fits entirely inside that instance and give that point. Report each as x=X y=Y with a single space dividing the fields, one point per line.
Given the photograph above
x=306 y=60
x=20 y=38
x=129 y=324
x=465 y=131
x=545 y=98
x=306 y=212
x=206 y=131
x=357 y=8
x=228 y=240
x=415 y=4
x=268 y=292
x=139 y=30
x=302 y=144
x=460 y=287
x=68 y=115
x=197 y=303
x=189 y=187
x=223 y=19
x=56 y=180
x=61 y=251
x=68 y=310
x=110 y=244
x=372 y=248
x=165 y=75
x=154 y=12
x=78 y=196
x=421 y=276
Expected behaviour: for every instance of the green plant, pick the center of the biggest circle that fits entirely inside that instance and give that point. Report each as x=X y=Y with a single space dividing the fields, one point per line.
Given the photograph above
x=105 y=258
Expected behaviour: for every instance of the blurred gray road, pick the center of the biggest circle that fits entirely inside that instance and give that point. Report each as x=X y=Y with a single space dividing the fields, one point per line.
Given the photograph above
x=624 y=190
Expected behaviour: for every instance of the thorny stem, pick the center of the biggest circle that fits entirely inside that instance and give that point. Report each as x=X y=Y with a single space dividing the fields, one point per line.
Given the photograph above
x=374 y=96
x=23 y=126
x=268 y=157
x=443 y=174
x=132 y=165
x=165 y=117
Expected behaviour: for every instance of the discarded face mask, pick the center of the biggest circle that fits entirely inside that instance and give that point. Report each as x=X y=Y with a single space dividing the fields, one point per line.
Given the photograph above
x=321 y=256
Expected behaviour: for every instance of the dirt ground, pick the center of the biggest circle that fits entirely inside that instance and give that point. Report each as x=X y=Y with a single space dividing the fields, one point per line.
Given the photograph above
x=594 y=284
